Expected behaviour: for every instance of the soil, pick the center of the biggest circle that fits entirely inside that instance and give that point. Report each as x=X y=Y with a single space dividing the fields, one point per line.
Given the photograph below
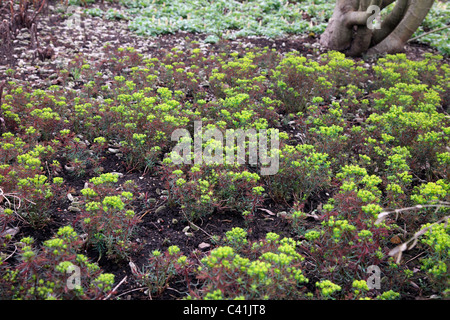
x=156 y=231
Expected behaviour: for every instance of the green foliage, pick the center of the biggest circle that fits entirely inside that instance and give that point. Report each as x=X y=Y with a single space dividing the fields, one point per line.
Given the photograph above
x=43 y=273
x=350 y=149
x=302 y=172
x=266 y=269
x=232 y=19
x=436 y=263
x=228 y=18
x=108 y=217
x=236 y=238
x=160 y=269
x=434 y=20
x=206 y=188
x=327 y=288
x=297 y=79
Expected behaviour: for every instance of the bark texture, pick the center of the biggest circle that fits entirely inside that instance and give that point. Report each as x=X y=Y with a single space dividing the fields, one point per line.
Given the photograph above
x=347 y=30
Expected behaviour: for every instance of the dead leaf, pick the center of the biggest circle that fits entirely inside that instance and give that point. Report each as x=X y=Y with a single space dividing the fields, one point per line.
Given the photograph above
x=396 y=240
x=133 y=268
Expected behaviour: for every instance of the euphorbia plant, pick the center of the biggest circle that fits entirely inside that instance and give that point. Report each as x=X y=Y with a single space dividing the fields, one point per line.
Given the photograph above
x=296 y=80
x=161 y=268
x=342 y=250
x=302 y=171
x=46 y=273
x=108 y=217
x=271 y=268
x=202 y=189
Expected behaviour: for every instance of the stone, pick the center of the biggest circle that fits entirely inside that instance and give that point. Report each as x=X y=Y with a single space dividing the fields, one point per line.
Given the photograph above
x=204 y=245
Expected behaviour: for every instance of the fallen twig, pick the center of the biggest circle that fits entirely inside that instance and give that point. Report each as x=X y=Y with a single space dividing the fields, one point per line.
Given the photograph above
x=132 y=290
x=115 y=288
x=427 y=33
x=398 y=251
x=422 y=253
x=196 y=226
x=13 y=205
x=15 y=249
x=2 y=86
x=384 y=214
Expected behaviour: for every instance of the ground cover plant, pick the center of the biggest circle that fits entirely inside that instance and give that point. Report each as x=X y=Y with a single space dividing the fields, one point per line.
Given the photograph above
x=231 y=19
x=89 y=185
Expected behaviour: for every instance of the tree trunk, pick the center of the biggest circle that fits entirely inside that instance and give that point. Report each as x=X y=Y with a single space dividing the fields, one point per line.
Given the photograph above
x=350 y=31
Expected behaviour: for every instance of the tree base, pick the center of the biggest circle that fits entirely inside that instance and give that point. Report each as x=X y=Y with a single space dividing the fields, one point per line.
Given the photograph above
x=348 y=29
